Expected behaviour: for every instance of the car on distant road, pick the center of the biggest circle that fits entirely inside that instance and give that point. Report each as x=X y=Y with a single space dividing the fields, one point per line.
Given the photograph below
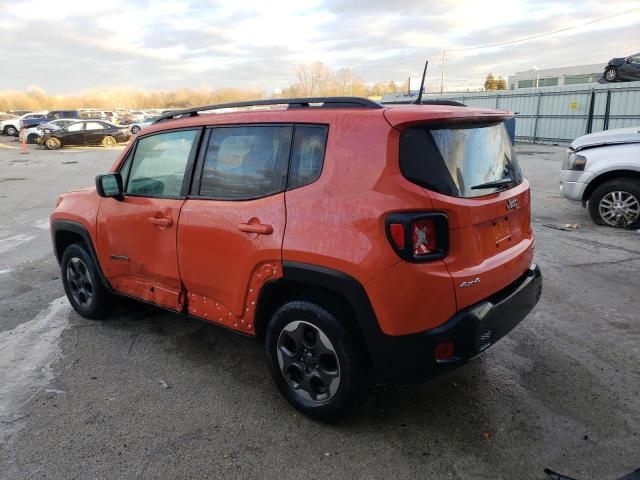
x=602 y=170
x=86 y=132
x=35 y=134
x=12 y=126
x=623 y=68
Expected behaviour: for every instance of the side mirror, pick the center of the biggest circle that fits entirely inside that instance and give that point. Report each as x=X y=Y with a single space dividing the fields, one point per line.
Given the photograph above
x=109 y=185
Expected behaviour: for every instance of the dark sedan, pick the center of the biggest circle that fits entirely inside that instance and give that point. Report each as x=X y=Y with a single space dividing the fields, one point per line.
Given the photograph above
x=627 y=68
x=88 y=132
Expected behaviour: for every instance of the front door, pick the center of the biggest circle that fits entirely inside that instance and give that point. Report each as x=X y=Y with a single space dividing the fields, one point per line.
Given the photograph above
x=137 y=235
x=231 y=227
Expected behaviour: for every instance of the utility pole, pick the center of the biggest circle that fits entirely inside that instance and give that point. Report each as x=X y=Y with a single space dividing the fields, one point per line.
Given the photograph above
x=442 y=73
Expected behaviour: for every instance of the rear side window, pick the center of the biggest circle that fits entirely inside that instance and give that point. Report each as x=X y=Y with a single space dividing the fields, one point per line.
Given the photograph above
x=307 y=155
x=452 y=161
x=159 y=163
x=246 y=162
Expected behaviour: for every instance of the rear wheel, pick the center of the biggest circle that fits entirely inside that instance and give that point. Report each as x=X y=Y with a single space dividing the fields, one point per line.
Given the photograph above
x=611 y=74
x=616 y=203
x=315 y=361
x=82 y=283
x=52 y=143
x=109 y=142
x=11 y=130
x=135 y=129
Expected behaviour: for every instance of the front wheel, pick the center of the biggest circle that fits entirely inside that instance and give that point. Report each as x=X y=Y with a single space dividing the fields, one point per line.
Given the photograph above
x=616 y=203
x=12 y=131
x=611 y=74
x=52 y=143
x=32 y=138
x=109 y=142
x=315 y=361
x=135 y=129
x=82 y=283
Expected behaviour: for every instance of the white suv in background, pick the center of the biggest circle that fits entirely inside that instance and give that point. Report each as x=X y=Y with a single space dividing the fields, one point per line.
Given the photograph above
x=602 y=170
x=12 y=126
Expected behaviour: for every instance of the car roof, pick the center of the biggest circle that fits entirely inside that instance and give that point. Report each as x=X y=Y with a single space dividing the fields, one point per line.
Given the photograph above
x=394 y=114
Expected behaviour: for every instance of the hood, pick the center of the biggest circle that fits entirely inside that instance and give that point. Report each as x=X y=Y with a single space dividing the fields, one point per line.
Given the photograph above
x=608 y=137
x=617 y=61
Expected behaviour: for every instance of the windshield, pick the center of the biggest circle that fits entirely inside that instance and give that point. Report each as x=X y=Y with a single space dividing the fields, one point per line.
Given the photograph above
x=453 y=161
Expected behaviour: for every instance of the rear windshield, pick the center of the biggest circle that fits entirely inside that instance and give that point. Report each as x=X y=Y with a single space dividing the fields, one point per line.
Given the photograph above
x=453 y=160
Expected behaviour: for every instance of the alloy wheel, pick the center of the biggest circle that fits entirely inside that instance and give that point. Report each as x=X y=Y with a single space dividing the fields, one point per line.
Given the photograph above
x=80 y=282
x=610 y=75
x=619 y=208
x=308 y=361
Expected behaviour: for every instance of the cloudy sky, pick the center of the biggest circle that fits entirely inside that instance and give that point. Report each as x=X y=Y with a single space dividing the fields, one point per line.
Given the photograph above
x=71 y=45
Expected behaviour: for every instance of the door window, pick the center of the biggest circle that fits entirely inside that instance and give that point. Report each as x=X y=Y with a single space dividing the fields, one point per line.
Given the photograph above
x=246 y=162
x=307 y=156
x=75 y=127
x=159 y=164
x=95 y=126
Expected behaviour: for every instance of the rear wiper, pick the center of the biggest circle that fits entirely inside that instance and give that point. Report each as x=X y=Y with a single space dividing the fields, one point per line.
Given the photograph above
x=503 y=182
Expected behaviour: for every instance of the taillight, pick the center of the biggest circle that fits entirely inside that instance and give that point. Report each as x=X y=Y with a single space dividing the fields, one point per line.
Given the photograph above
x=418 y=237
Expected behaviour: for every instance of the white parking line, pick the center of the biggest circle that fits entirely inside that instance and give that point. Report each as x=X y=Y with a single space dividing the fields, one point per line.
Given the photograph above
x=26 y=355
x=42 y=223
x=9 y=243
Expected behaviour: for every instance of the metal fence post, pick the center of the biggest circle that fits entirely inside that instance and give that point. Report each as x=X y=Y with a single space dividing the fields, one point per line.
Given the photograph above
x=591 y=106
x=607 y=107
x=535 y=123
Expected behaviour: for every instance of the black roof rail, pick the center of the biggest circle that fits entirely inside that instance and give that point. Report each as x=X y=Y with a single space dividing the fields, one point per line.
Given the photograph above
x=327 y=102
x=451 y=103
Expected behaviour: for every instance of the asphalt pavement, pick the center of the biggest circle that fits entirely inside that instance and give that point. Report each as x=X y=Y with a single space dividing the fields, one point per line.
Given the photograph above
x=148 y=395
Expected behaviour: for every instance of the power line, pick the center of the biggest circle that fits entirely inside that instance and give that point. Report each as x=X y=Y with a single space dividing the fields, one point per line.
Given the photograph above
x=540 y=35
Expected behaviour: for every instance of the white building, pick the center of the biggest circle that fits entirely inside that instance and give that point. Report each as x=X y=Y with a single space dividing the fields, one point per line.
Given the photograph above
x=552 y=77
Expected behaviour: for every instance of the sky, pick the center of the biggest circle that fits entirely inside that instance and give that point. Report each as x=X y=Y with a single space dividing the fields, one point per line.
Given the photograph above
x=68 y=46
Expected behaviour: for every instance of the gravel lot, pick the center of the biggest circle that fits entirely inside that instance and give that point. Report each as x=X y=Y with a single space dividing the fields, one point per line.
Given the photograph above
x=149 y=395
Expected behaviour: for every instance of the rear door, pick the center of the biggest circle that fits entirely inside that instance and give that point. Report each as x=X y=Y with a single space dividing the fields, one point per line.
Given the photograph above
x=231 y=227
x=470 y=172
x=137 y=235
x=94 y=132
x=74 y=134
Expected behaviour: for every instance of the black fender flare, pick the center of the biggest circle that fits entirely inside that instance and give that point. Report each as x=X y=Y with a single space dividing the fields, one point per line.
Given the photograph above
x=59 y=226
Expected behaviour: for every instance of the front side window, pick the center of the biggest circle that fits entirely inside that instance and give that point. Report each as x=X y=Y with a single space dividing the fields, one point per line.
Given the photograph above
x=75 y=127
x=159 y=164
x=246 y=162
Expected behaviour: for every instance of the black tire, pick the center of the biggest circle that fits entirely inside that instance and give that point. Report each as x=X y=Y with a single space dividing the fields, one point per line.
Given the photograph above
x=32 y=138
x=96 y=302
x=135 y=129
x=11 y=130
x=348 y=359
x=599 y=201
x=611 y=74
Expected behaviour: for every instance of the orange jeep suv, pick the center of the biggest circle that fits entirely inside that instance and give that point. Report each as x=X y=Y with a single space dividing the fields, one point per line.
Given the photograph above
x=355 y=239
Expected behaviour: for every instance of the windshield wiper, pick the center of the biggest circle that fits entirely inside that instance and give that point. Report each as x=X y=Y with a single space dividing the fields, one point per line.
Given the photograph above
x=503 y=182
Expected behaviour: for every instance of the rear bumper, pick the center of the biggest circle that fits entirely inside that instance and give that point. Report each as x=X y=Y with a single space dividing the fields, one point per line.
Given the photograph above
x=411 y=358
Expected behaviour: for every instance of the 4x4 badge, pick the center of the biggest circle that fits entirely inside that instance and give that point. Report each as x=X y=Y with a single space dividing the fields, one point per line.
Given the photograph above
x=470 y=283
x=512 y=203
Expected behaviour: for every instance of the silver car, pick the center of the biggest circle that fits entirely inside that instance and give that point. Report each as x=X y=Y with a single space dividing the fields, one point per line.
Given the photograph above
x=602 y=170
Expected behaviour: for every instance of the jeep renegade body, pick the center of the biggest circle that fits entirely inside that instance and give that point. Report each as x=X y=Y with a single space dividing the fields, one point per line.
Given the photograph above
x=352 y=238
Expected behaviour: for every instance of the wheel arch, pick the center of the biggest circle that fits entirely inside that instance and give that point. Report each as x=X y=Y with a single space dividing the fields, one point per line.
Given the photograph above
x=65 y=233
x=345 y=291
x=604 y=177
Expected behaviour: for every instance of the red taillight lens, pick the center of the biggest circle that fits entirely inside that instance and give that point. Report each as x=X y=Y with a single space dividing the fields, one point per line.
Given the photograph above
x=397 y=234
x=423 y=236
x=418 y=236
x=444 y=351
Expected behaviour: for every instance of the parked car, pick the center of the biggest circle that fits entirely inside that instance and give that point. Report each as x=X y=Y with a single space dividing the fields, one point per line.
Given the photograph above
x=35 y=134
x=135 y=127
x=12 y=125
x=602 y=170
x=34 y=121
x=95 y=132
x=334 y=231
x=624 y=68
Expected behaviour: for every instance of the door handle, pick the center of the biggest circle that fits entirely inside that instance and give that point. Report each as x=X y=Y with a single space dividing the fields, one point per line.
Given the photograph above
x=163 y=222
x=258 y=228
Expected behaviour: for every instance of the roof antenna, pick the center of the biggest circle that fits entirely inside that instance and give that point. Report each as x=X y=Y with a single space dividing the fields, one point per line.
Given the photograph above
x=418 y=100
